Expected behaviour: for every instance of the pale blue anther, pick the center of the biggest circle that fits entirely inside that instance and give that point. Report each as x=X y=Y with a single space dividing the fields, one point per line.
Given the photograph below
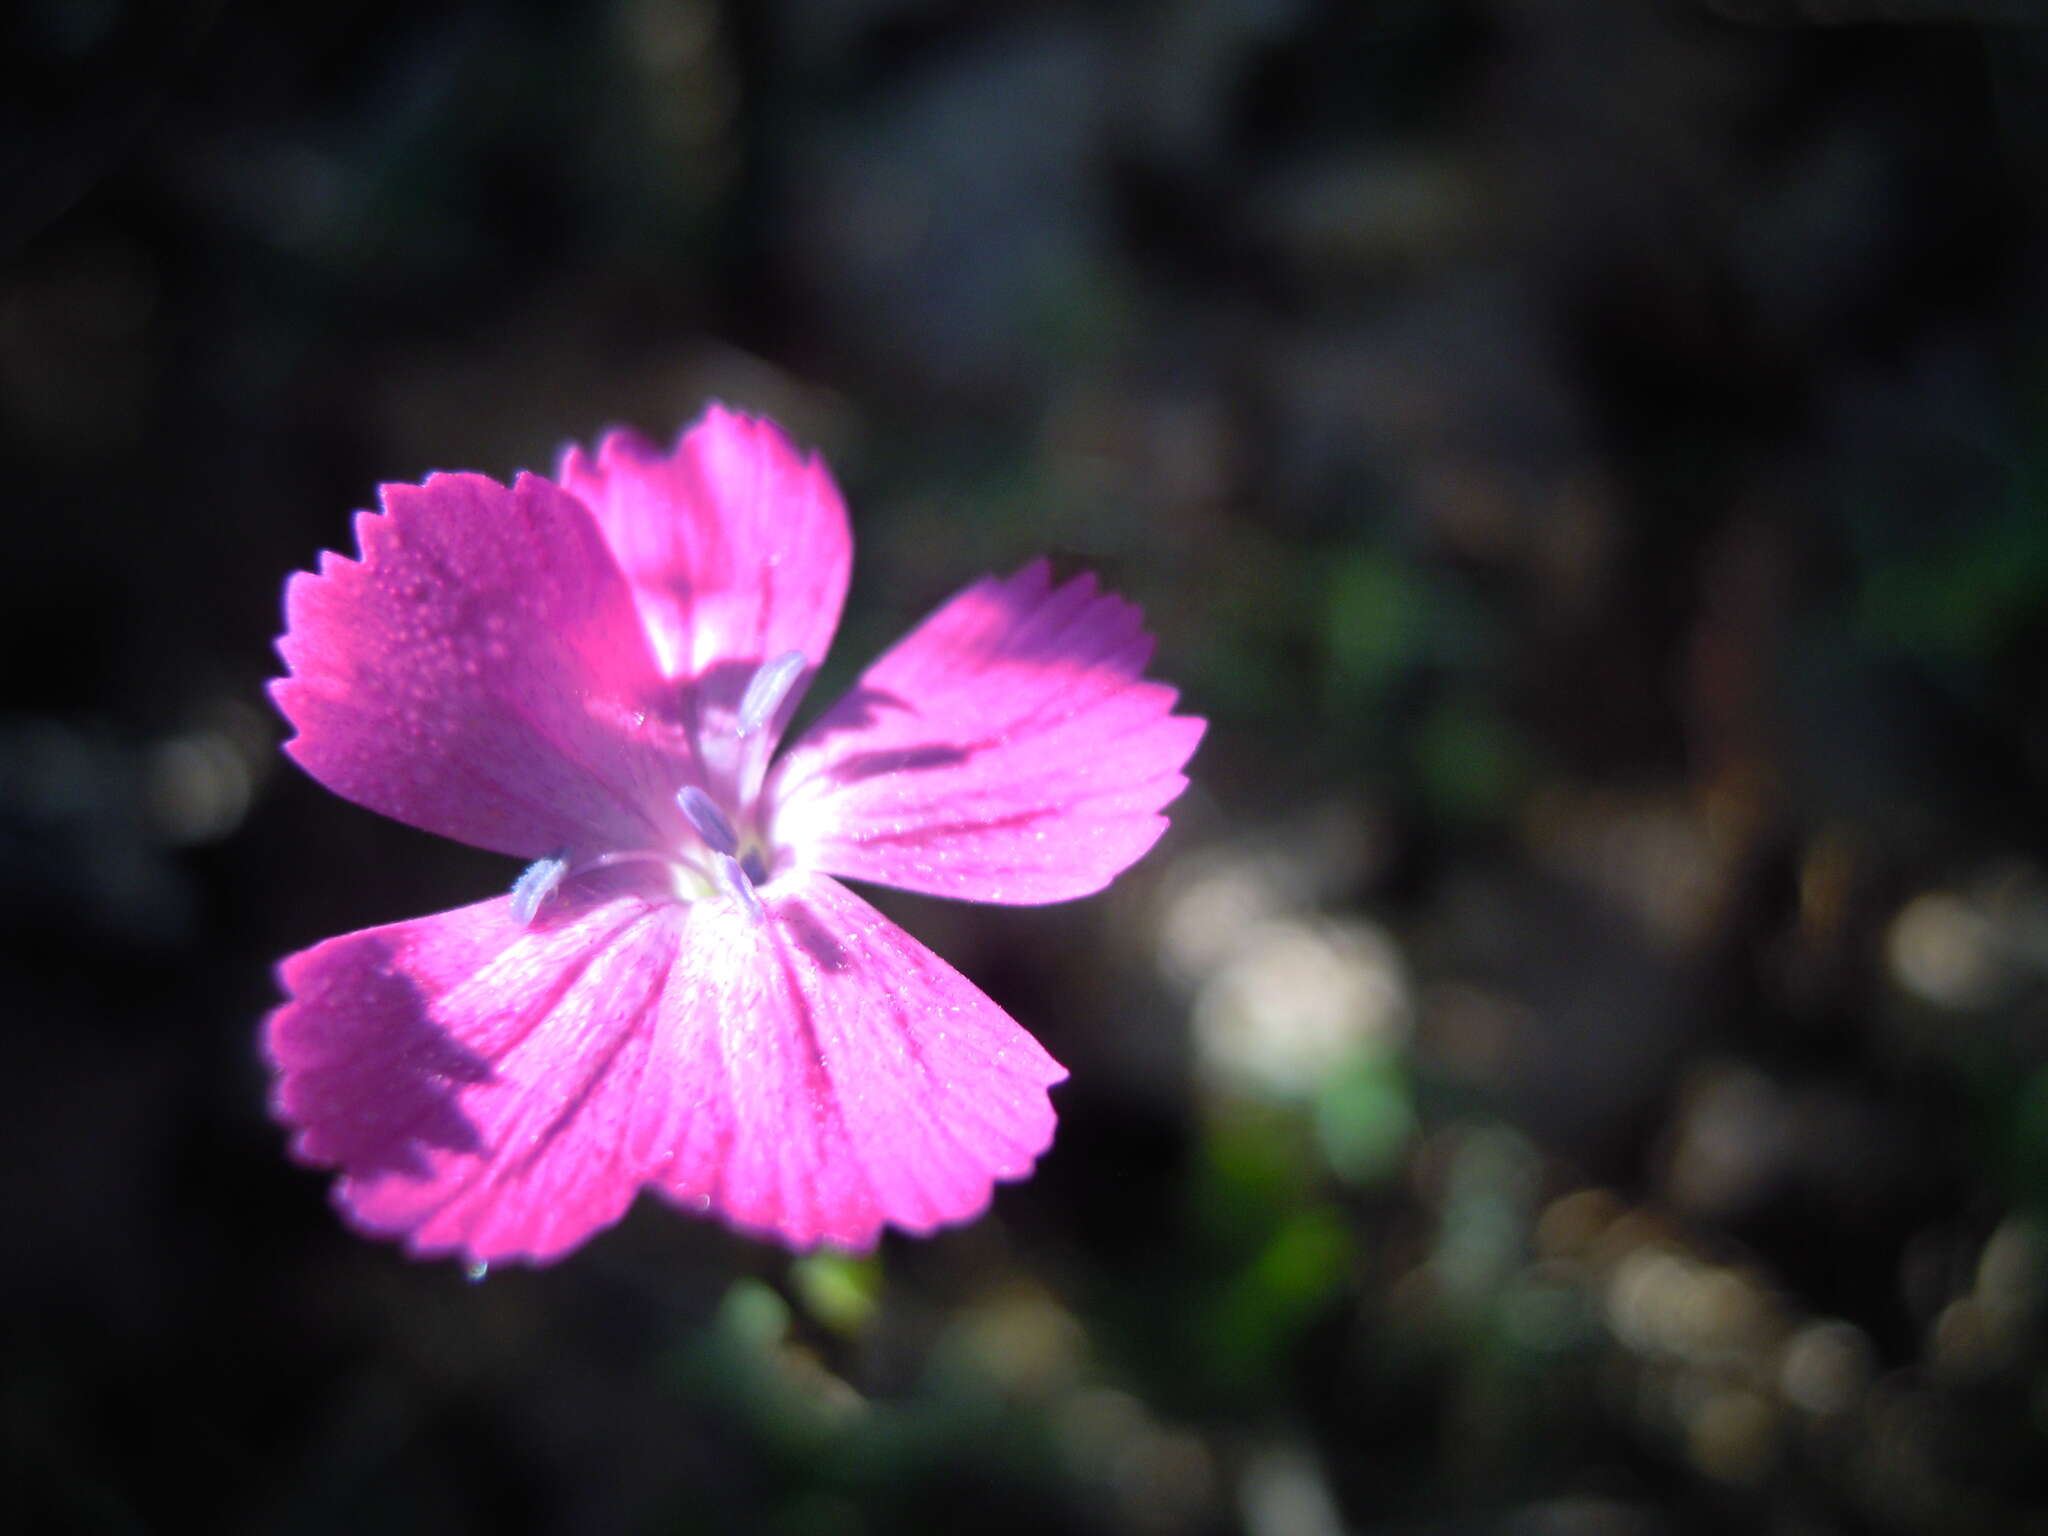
x=737 y=886
x=767 y=689
x=534 y=886
x=708 y=819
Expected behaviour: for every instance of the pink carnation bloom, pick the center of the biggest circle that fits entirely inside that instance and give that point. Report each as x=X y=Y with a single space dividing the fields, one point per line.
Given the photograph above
x=592 y=673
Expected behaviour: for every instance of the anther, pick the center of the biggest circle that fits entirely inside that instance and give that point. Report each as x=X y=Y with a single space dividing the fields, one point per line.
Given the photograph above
x=767 y=689
x=535 y=886
x=739 y=888
x=708 y=819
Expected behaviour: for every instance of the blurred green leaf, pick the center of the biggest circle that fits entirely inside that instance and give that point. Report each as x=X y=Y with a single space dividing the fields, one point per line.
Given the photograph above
x=1259 y=1165
x=840 y=1291
x=1262 y=1312
x=1470 y=761
x=752 y=1317
x=1965 y=599
x=1374 y=620
x=1365 y=1119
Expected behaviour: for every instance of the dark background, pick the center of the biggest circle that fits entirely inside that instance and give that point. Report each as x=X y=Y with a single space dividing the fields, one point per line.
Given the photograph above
x=1578 y=1066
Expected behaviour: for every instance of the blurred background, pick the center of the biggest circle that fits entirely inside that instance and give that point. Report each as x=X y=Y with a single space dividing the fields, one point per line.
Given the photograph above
x=1579 y=1064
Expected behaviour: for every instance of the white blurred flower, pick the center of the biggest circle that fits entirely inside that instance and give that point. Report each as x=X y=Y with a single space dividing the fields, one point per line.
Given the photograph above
x=1297 y=1000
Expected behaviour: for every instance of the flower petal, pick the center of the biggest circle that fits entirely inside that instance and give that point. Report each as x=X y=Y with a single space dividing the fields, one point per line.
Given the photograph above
x=476 y=1081
x=1008 y=749
x=479 y=673
x=502 y=1092
x=737 y=548
x=833 y=1075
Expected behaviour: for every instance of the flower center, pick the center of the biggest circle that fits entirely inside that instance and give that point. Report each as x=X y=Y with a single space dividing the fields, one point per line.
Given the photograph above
x=735 y=867
x=724 y=863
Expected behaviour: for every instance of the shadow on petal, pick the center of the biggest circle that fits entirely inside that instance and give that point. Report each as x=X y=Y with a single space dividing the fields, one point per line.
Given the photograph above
x=867 y=765
x=857 y=709
x=370 y=1079
x=811 y=936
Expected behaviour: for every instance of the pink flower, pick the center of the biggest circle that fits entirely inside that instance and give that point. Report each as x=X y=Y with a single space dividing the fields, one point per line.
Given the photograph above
x=592 y=673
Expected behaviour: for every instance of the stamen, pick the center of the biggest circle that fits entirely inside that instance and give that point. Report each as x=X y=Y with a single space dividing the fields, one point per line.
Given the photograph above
x=535 y=886
x=740 y=888
x=767 y=689
x=708 y=819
